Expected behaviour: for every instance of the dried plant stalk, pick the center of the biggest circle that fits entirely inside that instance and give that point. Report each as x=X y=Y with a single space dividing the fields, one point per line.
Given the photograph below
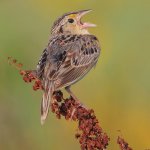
x=90 y=135
x=123 y=144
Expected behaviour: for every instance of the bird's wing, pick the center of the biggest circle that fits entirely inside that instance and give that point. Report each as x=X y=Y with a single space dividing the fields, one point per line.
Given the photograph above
x=70 y=58
x=41 y=64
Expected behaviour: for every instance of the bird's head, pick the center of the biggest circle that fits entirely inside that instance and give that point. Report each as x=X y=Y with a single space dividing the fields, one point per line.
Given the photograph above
x=70 y=23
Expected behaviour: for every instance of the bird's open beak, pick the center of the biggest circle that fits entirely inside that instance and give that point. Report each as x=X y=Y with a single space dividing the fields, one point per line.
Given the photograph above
x=85 y=24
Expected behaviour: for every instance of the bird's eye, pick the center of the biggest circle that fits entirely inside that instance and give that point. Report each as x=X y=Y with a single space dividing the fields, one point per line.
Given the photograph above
x=70 y=20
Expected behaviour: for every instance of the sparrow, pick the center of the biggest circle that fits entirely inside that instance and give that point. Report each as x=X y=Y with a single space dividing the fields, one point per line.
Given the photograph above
x=70 y=54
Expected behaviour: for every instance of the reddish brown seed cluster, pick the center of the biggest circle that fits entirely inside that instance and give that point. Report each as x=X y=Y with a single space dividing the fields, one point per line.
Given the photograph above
x=122 y=144
x=14 y=62
x=91 y=135
x=28 y=75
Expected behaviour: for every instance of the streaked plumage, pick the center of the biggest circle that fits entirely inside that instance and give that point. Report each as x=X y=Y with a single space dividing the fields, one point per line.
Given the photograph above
x=67 y=58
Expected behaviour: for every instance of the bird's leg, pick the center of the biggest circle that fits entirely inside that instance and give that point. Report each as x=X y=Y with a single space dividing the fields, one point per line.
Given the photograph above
x=71 y=94
x=75 y=98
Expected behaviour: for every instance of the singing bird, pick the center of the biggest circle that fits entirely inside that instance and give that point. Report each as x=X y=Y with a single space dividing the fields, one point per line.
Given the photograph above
x=70 y=54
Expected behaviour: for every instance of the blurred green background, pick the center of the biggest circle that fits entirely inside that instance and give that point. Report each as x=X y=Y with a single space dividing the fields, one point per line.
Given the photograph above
x=118 y=89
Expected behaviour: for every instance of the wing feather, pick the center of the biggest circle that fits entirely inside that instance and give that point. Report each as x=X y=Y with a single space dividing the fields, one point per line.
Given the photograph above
x=41 y=64
x=70 y=60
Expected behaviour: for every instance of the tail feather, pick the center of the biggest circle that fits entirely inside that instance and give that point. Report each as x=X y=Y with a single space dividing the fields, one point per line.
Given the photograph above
x=46 y=100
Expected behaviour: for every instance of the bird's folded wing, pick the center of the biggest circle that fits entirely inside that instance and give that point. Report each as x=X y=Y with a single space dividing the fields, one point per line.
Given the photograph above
x=41 y=64
x=70 y=59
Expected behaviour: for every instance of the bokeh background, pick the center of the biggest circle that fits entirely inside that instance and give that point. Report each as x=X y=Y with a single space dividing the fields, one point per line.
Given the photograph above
x=118 y=89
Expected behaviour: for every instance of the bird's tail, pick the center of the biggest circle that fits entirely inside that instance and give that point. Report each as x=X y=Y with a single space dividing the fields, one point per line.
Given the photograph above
x=46 y=100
